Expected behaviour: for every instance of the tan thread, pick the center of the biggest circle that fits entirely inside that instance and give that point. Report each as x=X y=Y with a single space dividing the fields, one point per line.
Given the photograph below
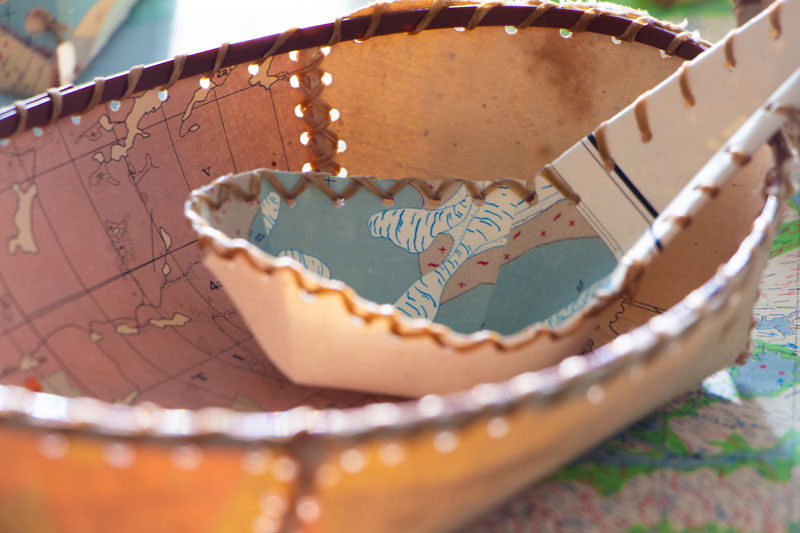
x=56 y=103
x=132 y=79
x=677 y=41
x=775 y=20
x=374 y=20
x=642 y=122
x=587 y=17
x=22 y=117
x=682 y=221
x=540 y=10
x=730 y=59
x=790 y=112
x=711 y=190
x=336 y=34
x=633 y=29
x=549 y=173
x=683 y=81
x=602 y=147
x=739 y=159
x=526 y=191
x=280 y=41
x=480 y=12
x=222 y=51
x=429 y=16
x=97 y=93
x=177 y=69
x=323 y=142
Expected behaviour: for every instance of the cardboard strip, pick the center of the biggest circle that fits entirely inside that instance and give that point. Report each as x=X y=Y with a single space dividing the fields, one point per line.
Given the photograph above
x=727 y=83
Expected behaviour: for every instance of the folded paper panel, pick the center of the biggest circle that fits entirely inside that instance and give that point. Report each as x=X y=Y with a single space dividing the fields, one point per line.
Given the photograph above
x=479 y=104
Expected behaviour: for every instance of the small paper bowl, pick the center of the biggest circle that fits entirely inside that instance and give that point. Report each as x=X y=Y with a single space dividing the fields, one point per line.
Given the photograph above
x=320 y=331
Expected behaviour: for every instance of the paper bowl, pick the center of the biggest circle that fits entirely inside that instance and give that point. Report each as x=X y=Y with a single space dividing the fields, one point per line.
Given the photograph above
x=344 y=461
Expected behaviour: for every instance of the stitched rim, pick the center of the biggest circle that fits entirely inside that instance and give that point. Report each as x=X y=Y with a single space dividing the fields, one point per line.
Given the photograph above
x=615 y=21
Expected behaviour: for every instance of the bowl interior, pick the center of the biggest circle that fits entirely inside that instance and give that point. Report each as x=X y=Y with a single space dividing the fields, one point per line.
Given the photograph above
x=499 y=263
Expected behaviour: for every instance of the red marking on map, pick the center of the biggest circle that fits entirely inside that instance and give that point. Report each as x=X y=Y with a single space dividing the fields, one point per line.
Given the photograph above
x=443 y=249
x=462 y=284
x=506 y=257
x=483 y=263
x=517 y=234
x=558 y=215
x=571 y=222
x=544 y=233
x=33 y=384
x=433 y=265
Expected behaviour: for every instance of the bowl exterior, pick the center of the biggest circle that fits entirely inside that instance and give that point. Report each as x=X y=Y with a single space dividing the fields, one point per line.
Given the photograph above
x=315 y=339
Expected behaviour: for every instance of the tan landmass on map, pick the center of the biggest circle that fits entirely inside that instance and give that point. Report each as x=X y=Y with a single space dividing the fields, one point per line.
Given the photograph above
x=201 y=94
x=166 y=237
x=263 y=77
x=177 y=321
x=23 y=220
x=28 y=362
x=147 y=103
x=125 y=329
x=59 y=383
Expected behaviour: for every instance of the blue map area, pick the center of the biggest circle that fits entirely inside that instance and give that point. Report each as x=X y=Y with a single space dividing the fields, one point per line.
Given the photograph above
x=782 y=324
x=375 y=250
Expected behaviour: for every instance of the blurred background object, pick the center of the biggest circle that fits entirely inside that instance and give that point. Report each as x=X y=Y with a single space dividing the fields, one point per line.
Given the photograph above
x=48 y=42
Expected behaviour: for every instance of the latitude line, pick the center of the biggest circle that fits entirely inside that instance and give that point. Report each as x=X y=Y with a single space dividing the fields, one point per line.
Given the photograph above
x=278 y=127
x=175 y=150
x=176 y=376
x=42 y=311
x=46 y=345
x=224 y=131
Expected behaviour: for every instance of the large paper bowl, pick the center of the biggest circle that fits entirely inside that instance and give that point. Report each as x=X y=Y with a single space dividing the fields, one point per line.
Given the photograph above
x=104 y=294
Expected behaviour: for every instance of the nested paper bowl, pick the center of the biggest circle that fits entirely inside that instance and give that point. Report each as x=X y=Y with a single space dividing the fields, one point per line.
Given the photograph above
x=137 y=319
